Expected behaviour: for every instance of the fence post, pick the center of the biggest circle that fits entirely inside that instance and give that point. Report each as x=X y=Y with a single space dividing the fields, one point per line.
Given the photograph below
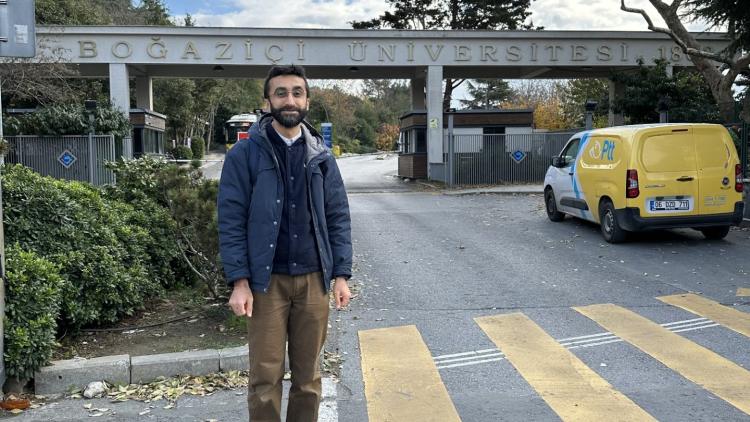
x=451 y=157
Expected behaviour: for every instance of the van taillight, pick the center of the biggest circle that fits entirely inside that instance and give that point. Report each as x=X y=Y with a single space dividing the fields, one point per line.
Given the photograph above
x=738 y=177
x=631 y=184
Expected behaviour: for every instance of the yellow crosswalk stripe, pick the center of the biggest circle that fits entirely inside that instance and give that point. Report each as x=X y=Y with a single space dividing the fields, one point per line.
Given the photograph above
x=743 y=291
x=724 y=315
x=400 y=377
x=572 y=389
x=713 y=372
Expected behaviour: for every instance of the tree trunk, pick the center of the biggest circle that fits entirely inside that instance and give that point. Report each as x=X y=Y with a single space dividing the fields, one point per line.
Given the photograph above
x=448 y=94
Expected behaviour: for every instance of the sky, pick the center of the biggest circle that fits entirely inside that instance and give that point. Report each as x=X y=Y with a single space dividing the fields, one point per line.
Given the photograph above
x=551 y=14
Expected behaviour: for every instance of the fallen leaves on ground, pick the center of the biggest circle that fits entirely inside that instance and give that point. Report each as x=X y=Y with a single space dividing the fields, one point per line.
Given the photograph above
x=171 y=389
x=332 y=363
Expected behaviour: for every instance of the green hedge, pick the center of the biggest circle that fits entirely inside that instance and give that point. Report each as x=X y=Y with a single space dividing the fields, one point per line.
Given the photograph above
x=182 y=152
x=102 y=254
x=32 y=296
x=198 y=146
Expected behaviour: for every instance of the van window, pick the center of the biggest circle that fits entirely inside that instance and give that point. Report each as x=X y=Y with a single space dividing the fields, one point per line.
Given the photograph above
x=669 y=152
x=570 y=151
x=712 y=151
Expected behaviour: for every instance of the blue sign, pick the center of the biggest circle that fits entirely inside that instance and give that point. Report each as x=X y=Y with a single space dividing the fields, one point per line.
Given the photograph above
x=67 y=159
x=326 y=130
x=518 y=156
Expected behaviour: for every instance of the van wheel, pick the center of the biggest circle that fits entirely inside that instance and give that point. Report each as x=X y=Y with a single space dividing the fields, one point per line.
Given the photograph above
x=611 y=229
x=715 y=233
x=551 y=206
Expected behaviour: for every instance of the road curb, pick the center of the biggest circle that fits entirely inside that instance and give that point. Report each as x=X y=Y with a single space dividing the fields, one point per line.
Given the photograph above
x=64 y=375
x=515 y=191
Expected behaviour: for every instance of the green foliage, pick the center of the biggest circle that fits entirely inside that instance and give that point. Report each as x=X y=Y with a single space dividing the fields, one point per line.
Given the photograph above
x=487 y=94
x=182 y=152
x=98 y=12
x=192 y=205
x=69 y=119
x=32 y=305
x=451 y=14
x=102 y=257
x=689 y=95
x=70 y=12
x=390 y=99
x=724 y=15
x=138 y=184
x=190 y=202
x=198 y=147
x=576 y=92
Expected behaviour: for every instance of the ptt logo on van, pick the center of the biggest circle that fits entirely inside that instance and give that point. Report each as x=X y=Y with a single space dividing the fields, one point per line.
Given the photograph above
x=606 y=152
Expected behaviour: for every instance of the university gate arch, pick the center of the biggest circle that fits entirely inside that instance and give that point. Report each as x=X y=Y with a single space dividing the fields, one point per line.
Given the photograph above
x=423 y=57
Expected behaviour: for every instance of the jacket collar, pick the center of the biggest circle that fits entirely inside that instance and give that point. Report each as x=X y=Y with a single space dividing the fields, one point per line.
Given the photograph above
x=313 y=140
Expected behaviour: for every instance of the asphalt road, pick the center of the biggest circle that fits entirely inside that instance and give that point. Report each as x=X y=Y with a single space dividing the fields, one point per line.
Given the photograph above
x=438 y=262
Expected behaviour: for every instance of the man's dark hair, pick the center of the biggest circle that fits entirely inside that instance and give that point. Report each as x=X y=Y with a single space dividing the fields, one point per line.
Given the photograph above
x=285 y=70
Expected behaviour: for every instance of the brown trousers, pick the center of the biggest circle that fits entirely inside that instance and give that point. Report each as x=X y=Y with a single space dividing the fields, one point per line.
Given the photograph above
x=294 y=308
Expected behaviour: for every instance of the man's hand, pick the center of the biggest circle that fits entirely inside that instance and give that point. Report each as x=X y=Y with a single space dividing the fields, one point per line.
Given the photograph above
x=341 y=292
x=241 y=300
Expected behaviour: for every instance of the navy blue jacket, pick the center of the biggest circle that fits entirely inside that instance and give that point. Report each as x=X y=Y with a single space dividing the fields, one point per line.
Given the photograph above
x=250 y=203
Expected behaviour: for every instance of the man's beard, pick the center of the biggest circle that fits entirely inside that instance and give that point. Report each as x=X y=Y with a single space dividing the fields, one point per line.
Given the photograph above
x=288 y=120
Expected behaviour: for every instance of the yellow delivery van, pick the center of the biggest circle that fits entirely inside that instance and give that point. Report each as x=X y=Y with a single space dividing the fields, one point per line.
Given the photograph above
x=641 y=177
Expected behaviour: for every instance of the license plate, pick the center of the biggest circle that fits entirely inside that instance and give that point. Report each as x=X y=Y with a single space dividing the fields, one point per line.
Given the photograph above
x=661 y=205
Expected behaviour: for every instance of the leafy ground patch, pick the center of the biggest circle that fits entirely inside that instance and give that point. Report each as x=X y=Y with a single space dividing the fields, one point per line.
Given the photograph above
x=181 y=320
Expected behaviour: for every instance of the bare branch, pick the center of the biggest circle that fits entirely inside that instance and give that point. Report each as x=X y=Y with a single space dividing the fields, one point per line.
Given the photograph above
x=692 y=51
x=646 y=17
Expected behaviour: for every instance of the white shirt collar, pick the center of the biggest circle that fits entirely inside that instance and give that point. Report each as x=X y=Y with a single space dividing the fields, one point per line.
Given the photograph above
x=289 y=141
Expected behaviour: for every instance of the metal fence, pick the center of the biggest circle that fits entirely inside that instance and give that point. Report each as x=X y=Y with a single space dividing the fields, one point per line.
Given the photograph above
x=491 y=159
x=64 y=157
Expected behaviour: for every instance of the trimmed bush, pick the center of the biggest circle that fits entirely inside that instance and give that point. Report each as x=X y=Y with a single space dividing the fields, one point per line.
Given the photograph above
x=198 y=146
x=32 y=295
x=182 y=152
x=101 y=255
x=139 y=184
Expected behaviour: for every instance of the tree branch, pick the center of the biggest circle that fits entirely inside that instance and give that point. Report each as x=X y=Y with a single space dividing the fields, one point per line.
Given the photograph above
x=672 y=11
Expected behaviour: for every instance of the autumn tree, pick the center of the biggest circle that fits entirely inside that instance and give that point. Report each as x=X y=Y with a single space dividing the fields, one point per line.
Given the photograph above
x=720 y=69
x=387 y=137
x=543 y=97
x=452 y=14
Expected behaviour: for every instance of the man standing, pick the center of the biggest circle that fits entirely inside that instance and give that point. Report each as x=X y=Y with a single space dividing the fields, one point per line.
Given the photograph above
x=284 y=234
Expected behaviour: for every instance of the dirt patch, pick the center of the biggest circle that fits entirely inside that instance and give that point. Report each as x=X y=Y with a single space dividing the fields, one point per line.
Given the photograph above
x=181 y=320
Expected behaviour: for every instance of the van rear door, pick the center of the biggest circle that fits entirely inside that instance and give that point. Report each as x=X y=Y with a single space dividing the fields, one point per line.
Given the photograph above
x=668 y=176
x=716 y=157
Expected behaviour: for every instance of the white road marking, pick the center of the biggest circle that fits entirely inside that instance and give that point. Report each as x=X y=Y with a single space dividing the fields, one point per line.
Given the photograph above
x=476 y=357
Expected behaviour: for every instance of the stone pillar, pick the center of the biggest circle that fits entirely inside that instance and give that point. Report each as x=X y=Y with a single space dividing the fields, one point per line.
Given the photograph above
x=434 y=115
x=417 y=94
x=144 y=93
x=616 y=90
x=119 y=87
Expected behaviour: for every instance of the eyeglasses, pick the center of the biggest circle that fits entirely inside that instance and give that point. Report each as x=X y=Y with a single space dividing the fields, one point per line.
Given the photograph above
x=283 y=93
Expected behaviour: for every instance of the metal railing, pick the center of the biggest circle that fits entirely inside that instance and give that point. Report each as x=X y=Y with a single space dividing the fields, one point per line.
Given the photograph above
x=493 y=159
x=64 y=157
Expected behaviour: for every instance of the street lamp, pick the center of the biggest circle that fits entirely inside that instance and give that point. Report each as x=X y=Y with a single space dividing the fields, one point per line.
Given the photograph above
x=90 y=106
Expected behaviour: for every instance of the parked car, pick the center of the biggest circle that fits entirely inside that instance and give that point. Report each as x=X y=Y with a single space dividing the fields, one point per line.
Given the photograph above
x=642 y=177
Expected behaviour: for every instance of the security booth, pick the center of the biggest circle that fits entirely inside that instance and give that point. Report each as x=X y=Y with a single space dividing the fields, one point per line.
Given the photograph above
x=472 y=133
x=148 y=132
